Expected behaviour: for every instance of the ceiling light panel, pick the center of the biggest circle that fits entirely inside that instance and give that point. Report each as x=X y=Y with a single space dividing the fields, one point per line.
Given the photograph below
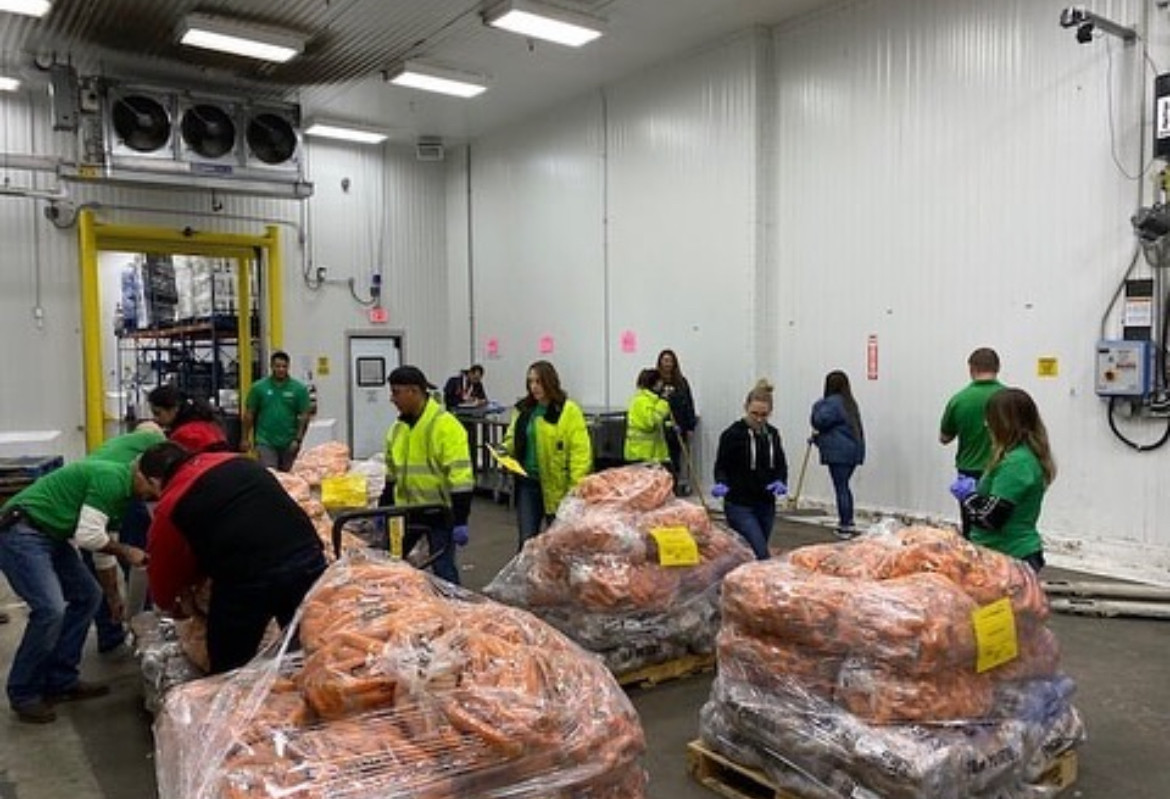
x=8 y=84
x=29 y=8
x=344 y=132
x=433 y=78
x=541 y=21
x=239 y=38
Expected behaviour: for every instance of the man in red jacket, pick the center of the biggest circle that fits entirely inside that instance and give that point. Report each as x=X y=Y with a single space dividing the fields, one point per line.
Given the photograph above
x=224 y=516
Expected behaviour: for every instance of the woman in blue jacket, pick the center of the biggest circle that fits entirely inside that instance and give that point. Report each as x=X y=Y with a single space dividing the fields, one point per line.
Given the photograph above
x=841 y=440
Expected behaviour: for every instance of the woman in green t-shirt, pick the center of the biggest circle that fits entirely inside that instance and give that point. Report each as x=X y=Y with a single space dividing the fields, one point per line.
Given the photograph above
x=1005 y=503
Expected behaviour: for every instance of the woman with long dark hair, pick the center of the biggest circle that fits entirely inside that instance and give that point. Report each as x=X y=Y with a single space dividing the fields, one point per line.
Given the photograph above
x=189 y=421
x=1004 y=505
x=549 y=438
x=676 y=390
x=840 y=438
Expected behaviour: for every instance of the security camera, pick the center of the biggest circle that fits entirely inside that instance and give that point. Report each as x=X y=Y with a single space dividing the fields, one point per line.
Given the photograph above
x=1086 y=22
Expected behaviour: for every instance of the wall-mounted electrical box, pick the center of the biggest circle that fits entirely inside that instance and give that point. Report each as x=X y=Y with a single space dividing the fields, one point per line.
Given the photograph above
x=1124 y=368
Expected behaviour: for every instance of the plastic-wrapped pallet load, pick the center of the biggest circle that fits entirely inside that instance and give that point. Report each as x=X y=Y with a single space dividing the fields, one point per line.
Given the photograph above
x=407 y=686
x=867 y=669
x=626 y=570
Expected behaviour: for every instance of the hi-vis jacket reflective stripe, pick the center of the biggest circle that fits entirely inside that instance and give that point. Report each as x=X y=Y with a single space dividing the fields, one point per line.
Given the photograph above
x=645 y=437
x=430 y=461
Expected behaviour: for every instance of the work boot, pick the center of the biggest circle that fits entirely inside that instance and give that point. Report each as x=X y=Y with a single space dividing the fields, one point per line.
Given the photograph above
x=36 y=712
x=81 y=691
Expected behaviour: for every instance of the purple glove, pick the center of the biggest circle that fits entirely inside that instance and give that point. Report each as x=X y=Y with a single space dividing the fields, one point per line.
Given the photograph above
x=963 y=487
x=719 y=490
x=777 y=488
x=460 y=535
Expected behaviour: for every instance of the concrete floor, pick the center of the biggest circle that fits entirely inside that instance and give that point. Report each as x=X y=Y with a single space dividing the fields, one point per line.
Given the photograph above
x=103 y=749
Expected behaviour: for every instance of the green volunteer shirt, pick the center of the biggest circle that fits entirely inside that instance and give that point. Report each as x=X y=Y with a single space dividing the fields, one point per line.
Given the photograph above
x=125 y=448
x=1018 y=478
x=531 y=462
x=275 y=407
x=54 y=502
x=964 y=417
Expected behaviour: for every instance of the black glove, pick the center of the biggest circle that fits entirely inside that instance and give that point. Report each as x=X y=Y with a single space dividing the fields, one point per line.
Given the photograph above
x=387 y=498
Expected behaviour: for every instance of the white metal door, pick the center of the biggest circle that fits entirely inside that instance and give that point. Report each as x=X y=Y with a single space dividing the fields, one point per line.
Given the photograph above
x=371 y=359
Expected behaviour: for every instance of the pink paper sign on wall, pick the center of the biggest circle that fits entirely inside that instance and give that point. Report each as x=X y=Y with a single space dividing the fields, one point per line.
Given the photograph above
x=629 y=341
x=546 y=345
x=492 y=347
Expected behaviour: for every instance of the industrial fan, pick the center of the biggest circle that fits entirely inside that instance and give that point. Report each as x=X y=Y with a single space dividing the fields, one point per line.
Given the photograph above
x=142 y=123
x=271 y=138
x=208 y=130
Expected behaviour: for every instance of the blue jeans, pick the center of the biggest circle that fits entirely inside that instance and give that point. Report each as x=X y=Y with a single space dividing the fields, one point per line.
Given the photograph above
x=754 y=523
x=62 y=598
x=530 y=515
x=841 y=473
x=439 y=540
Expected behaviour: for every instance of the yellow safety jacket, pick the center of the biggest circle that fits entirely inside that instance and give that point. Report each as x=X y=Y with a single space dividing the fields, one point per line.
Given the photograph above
x=645 y=434
x=429 y=461
x=564 y=452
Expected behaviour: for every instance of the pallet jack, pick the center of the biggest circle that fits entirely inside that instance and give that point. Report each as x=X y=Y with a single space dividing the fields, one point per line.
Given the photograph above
x=1105 y=599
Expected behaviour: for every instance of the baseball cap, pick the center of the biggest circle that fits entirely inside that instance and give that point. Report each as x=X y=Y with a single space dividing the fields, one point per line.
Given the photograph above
x=409 y=376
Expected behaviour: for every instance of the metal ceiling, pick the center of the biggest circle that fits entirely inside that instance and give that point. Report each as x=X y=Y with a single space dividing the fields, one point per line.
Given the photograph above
x=350 y=43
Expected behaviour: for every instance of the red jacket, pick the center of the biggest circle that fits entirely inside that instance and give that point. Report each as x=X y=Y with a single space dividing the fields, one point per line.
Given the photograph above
x=200 y=436
x=172 y=566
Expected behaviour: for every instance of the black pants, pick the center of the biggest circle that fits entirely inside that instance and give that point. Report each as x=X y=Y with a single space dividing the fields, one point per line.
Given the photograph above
x=240 y=611
x=964 y=517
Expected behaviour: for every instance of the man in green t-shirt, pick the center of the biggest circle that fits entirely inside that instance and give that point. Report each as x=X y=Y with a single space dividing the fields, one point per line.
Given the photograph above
x=964 y=419
x=40 y=530
x=277 y=409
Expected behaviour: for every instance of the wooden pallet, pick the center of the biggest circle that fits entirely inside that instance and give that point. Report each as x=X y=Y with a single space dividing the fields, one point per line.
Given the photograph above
x=685 y=666
x=728 y=778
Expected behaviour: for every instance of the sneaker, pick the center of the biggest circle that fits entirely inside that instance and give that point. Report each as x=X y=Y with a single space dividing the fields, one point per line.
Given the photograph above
x=78 y=693
x=37 y=712
x=846 y=533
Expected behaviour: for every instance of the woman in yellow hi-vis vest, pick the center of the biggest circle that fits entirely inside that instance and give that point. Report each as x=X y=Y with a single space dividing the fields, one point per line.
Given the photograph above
x=428 y=462
x=646 y=420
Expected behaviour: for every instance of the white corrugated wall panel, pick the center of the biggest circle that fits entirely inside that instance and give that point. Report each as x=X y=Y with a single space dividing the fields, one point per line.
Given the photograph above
x=682 y=212
x=943 y=181
x=536 y=212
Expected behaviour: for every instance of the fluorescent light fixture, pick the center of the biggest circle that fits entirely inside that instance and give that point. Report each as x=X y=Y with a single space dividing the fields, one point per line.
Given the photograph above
x=542 y=21
x=433 y=78
x=8 y=84
x=30 y=8
x=230 y=36
x=346 y=132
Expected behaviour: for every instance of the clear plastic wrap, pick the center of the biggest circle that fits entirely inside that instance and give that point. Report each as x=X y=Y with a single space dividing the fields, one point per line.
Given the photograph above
x=850 y=670
x=597 y=573
x=298 y=487
x=406 y=688
x=161 y=657
x=329 y=459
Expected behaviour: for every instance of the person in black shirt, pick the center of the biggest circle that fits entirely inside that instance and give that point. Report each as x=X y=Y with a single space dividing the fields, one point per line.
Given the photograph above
x=224 y=516
x=751 y=471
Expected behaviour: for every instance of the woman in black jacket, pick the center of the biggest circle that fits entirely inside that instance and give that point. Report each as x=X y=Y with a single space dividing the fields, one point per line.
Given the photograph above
x=751 y=471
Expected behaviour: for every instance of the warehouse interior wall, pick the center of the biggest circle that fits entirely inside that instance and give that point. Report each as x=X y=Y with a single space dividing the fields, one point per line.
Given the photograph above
x=884 y=183
x=901 y=182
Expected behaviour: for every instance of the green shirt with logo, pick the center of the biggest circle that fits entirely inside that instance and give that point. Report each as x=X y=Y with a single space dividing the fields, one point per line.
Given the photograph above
x=275 y=407
x=54 y=501
x=125 y=448
x=1018 y=478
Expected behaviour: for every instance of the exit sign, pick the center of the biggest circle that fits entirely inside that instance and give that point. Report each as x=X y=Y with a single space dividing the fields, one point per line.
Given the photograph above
x=379 y=316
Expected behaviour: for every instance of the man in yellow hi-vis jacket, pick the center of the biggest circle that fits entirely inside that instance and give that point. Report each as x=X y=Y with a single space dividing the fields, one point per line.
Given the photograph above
x=428 y=462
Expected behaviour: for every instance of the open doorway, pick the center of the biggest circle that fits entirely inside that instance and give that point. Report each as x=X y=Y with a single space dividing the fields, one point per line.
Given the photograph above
x=371 y=357
x=193 y=309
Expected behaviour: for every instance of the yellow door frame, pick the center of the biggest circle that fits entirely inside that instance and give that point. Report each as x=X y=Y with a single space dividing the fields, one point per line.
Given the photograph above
x=95 y=237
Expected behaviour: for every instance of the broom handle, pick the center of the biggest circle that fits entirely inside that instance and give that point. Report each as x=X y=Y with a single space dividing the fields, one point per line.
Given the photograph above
x=692 y=478
x=795 y=498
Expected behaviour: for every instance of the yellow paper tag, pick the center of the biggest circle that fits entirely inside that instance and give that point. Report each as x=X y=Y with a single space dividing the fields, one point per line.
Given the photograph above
x=507 y=462
x=676 y=546
x=995 y=635
x=397 y=529
x=344 y=491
